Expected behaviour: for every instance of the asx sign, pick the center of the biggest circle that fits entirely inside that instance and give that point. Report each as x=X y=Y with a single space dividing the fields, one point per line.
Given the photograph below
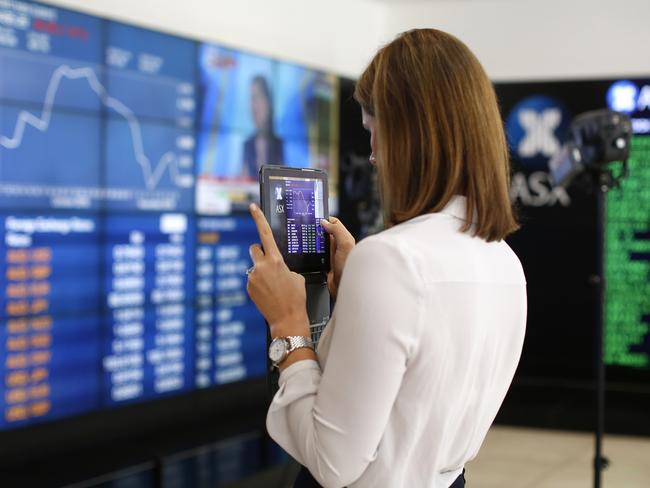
x=634 y=100
x=625 y=96
x=535 y=128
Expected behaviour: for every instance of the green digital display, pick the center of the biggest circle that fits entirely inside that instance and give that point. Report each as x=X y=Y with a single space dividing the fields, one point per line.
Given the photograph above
x=627 y=263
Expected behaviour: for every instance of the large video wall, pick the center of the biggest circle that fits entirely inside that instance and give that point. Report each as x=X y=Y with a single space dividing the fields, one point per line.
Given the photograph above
x=127 y=160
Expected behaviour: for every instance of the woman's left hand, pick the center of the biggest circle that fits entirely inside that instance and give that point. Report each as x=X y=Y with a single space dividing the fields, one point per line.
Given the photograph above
x=278 y=293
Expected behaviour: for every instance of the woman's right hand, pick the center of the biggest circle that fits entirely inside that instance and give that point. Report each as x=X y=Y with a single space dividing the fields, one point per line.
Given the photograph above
x=341 y=243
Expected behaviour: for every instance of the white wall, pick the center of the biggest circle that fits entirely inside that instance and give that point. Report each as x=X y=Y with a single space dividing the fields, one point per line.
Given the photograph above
x=336 y=35
x=539 y=39
x=515 y=39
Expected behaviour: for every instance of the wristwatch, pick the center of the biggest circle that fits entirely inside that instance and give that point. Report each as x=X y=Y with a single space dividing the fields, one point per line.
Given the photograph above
x=280 y=347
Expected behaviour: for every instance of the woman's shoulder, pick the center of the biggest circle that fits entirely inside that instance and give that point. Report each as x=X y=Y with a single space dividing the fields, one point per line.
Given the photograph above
x=378 y=272
x=383 y=255
x=404 y=239
x=384 y=244
x=434 y=248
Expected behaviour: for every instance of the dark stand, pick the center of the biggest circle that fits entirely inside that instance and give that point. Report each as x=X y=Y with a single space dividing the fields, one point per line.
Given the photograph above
x=596 y=139
x=605 y=182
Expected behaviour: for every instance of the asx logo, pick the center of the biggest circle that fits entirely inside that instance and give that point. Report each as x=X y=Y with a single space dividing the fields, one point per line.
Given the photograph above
x=535 y=128
x=625 y=96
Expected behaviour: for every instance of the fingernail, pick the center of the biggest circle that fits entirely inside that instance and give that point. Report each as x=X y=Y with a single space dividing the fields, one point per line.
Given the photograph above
x=252 y=207
x=324 y=222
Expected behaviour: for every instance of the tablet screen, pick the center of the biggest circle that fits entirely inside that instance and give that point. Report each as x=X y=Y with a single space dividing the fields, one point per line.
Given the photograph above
x=294 y=206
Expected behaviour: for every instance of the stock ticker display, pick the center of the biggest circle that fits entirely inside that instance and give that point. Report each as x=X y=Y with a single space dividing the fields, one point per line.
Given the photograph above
x=117 y=282
x=304 y=206
x=299 y=206
x=627 y=242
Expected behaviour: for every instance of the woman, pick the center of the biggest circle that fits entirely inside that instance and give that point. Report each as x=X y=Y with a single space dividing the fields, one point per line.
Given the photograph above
x=264 y=146
x=430 y=314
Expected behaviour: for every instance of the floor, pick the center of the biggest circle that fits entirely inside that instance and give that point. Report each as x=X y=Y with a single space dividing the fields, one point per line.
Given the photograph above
x=527 y=458
x=511 y=457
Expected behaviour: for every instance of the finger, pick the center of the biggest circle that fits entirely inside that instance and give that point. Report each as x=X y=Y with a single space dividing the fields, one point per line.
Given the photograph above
x=331 y=285
x=331 y=224
x=298 y=276
x=332 y=250
x=256 y=253
x=264 y=230
x=335 y=228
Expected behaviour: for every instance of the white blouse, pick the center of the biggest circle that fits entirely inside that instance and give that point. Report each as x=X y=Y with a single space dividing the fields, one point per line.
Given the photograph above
x=414 y=363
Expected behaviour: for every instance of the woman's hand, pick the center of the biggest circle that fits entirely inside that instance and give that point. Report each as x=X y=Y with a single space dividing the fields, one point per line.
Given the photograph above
x=278 y=293
x=341 y=243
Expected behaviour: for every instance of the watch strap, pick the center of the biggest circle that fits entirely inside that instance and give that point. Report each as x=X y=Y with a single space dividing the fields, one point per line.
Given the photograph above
x=293 y=343
x=296 y=342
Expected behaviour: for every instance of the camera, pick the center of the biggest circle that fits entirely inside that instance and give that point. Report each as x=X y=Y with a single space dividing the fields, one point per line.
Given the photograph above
x=596 y=138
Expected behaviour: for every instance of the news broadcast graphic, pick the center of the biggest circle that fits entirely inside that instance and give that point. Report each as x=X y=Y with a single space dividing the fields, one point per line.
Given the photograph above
x=255 y=111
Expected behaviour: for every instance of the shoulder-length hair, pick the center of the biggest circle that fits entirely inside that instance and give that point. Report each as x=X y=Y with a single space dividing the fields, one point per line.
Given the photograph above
x=439 y=132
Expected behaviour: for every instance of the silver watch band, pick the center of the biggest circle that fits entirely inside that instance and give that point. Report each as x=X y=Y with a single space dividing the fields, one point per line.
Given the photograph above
x=281 y=347
x=296 y=342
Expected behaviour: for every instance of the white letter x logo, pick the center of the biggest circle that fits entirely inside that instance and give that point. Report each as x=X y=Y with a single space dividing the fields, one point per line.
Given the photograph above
x=539 y=129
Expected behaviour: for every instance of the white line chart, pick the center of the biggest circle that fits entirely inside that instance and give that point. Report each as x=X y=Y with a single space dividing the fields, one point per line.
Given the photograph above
x=301 y=205
x=151 y=174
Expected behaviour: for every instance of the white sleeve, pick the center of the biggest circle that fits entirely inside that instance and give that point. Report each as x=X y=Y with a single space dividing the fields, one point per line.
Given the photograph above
x=332 y=421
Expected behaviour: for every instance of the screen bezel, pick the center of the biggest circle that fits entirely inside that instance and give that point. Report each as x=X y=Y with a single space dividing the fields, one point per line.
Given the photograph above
x=299 y=263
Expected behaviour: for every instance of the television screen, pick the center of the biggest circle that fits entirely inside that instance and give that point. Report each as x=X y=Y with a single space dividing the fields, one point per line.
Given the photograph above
x=255 y=110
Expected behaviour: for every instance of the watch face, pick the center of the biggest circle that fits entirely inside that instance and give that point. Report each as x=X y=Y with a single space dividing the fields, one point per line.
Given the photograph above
x=277 y=349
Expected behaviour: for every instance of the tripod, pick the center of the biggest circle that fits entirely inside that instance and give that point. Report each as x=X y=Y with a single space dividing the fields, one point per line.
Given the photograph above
x=604 y=180
x=600 y=462
x=596 y=139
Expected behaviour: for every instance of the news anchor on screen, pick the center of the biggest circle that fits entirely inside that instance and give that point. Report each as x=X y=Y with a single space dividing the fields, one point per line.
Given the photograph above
x=430 y=315
x=264 y=146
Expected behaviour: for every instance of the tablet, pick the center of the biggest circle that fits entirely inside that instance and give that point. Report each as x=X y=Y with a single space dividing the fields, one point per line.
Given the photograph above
x=294 y=200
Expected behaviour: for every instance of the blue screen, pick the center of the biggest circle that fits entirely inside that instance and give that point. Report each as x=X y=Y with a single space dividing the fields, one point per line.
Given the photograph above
x=50 y=111
x=123 y=154
x=51 y=324
x=231 y=338
x=150 y=125
x=148 y=273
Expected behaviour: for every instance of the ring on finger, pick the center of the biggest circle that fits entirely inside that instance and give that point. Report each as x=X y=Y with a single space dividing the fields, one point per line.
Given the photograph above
x=250 y=270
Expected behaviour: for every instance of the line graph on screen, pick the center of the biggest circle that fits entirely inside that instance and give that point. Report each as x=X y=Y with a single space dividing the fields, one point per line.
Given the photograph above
x=151 y=173
x=300 y=204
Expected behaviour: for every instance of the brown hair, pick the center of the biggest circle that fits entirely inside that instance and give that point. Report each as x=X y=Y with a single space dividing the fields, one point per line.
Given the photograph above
x=439 y=132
